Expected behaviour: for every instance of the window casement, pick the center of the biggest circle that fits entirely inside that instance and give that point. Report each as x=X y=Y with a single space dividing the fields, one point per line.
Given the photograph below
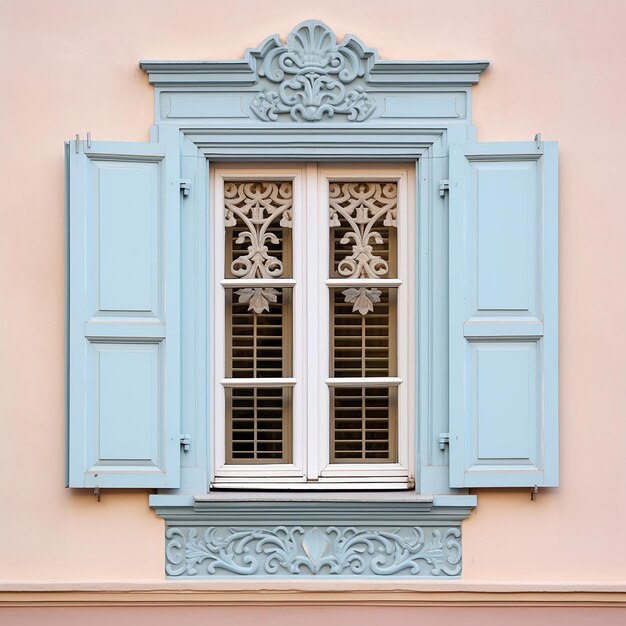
x=313 y=317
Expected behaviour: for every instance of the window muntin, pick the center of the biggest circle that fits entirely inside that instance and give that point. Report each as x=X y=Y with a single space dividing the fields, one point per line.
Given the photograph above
x=345 y=414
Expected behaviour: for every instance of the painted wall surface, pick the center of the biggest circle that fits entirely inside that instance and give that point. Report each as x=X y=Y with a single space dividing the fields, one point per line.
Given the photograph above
x=71 y=66
x=311 y=616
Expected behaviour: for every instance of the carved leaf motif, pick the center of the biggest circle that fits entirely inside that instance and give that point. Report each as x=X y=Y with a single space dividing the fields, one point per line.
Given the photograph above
x=312 y=72
x=362 y=298
x=258 y=299
x=314 y=544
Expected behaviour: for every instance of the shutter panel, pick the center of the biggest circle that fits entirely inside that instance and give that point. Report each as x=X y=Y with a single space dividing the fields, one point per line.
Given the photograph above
x=503 y=315
x=124 y=320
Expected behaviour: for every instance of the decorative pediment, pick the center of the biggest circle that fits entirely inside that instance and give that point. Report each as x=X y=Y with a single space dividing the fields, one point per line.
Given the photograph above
x=313 y=76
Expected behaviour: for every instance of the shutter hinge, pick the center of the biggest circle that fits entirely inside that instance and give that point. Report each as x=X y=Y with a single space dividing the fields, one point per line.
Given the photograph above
x=444 y=438
x=410 y=483
x=185 y=186
x=185 y=442
x=444 y=185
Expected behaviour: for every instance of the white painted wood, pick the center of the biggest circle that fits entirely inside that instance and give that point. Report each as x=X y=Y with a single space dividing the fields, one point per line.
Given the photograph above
x=237 y=283
x=344 y=484
x=311 y=467
x=404 y=178
x=370 y=381
x=363 y=282
x=258 y=382
x=318 y=317
x=220 y=469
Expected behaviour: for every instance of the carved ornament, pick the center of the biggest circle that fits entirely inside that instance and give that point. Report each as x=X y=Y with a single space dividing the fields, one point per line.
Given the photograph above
x=315 y=76
x=298 y=550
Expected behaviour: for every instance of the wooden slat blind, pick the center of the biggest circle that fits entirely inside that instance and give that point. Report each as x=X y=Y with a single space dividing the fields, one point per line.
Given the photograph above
x=363 y=423
x=258 y=344
x=363 y=345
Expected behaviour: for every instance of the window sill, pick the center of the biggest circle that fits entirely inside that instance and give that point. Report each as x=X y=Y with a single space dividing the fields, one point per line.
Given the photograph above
x=358 y=533
x=163 y=501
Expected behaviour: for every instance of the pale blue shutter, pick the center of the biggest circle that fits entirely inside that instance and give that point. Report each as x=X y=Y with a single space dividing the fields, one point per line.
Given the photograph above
x=124 y=318
x=503 y=315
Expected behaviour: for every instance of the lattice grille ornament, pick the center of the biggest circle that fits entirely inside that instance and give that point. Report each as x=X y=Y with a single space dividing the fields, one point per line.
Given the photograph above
x=363 y=214
x=363 y=206
x=256 y=211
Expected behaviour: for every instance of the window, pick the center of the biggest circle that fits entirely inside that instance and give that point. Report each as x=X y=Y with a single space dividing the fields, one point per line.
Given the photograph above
x=312 y=342
x=442 y=365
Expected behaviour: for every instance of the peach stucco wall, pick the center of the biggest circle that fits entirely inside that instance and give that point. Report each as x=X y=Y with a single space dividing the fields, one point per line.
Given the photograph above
x=557 y=68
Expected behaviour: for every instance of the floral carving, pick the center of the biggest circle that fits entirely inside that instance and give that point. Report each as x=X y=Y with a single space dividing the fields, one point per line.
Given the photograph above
x=315 y=77
x=362 y=206
x=363 y=298
x=255 y=207
x=313 y=551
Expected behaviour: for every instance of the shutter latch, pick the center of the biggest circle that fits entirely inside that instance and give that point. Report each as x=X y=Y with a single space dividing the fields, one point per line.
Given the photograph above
x=444 y=185
x=444 y=438
x=185 y=186
x=185 y=442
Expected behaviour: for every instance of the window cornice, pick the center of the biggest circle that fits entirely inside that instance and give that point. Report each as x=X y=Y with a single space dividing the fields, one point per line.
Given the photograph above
x=312 y=78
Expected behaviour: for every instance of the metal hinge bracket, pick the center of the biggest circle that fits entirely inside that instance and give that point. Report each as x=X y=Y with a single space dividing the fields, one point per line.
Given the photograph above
x=185 y=186
x=410 y=483
x=185 y=442
x=444 y=438
x=444 y=185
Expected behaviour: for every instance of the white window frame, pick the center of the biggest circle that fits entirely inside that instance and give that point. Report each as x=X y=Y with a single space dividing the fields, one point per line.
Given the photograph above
x=311 y=467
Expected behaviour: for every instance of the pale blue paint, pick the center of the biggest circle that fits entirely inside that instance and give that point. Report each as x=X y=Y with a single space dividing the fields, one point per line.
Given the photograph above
x=358 y=534
x=124 y=355
x=503 y=315
x=128 y=407
x=506 y=239
x=425 y=105
x=128 y=213
x=201 y=106
x=505 y=412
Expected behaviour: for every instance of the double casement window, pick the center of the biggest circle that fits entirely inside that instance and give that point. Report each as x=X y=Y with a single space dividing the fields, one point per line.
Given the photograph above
x=381 y=317
x=313 y=351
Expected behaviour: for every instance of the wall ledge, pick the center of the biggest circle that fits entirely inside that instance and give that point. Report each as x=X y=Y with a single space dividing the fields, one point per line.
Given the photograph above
x=309 y=593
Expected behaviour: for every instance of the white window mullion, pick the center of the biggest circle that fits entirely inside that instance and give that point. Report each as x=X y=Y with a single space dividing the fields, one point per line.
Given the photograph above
x=317 y=325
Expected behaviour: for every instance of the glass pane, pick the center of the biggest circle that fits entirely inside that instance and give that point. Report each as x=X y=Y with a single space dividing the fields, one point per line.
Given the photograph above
x=258 y=218
x=363 y=424
x=258 y=428
x=363 y=332
x=363 y=229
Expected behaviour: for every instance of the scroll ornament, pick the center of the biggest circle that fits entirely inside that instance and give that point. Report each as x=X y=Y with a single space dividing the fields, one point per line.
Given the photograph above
x=314 y=77
x=255 y=207
x=296 y=550
x=362 y=206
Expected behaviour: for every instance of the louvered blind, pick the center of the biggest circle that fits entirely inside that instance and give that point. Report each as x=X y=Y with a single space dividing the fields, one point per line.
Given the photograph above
x=363 y=350
x=258 y=321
